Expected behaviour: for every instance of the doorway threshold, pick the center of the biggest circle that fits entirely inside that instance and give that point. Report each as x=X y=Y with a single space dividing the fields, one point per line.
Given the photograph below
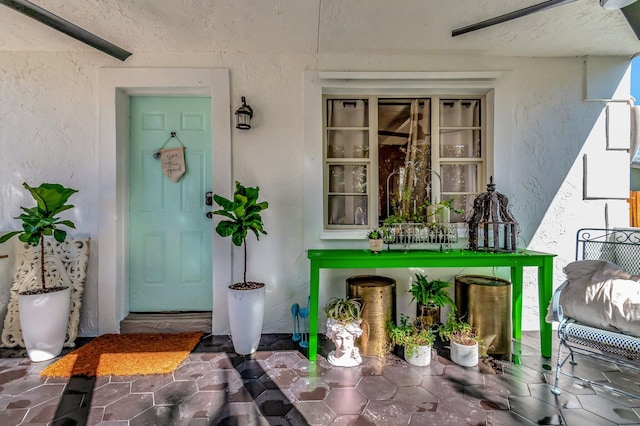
x=166 y=322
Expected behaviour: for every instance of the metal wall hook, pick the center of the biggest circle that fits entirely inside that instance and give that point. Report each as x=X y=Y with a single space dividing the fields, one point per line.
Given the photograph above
x=156 y=154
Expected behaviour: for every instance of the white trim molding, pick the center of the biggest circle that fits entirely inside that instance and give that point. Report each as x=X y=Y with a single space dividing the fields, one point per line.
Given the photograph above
x=425 y=75
x=116 y=85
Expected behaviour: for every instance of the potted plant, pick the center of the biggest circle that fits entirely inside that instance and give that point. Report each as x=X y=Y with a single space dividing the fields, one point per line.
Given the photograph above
x=464 y=340
x=376 y=240
x=439 y=211
x=245 y=299
x=344 y=319
x=430 y=297
x=44 y=312
x=416 y=337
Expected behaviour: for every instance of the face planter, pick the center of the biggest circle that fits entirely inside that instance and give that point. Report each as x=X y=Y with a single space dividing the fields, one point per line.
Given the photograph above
x=343 y=337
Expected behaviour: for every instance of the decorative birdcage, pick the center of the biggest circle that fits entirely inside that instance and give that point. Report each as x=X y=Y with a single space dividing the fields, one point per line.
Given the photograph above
x=491 y=225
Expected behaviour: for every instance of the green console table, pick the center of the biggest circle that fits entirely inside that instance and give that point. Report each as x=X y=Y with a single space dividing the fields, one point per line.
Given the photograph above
x=363 y=259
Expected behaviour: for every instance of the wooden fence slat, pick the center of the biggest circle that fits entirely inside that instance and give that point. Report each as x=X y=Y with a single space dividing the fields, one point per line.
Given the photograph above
x=634 y=208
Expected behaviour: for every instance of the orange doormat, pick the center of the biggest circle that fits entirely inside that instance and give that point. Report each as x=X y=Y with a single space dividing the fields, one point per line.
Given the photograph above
x=126 y=355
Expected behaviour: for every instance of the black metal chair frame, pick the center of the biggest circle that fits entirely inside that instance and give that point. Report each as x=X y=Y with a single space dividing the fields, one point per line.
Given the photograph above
x=604 y=345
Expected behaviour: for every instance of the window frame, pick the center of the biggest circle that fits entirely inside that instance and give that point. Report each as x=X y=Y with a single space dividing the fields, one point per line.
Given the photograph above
x=397 y=84
x=371 y=162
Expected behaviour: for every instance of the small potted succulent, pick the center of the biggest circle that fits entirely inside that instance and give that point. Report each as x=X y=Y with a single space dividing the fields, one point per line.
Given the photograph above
x=416 y=337
x=430 y=297
x=464 y=341
x=344 y=319
x=376 y=240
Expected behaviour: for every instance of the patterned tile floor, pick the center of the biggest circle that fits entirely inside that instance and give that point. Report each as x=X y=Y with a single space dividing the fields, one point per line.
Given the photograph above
x=276 y=386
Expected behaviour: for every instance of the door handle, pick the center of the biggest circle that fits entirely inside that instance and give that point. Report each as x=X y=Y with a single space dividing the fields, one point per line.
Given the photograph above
x=208 y=200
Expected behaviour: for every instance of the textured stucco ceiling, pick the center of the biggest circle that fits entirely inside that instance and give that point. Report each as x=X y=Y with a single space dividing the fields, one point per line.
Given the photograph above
x=326 y=27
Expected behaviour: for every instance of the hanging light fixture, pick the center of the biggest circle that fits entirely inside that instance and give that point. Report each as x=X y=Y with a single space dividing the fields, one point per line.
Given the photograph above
x=491 y=225
x=244 y=115
x=57 y=23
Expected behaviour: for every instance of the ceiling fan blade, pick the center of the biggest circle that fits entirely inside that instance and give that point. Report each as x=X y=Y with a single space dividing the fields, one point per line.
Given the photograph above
x=510 y=16
x=632 y=14
x=44 y=16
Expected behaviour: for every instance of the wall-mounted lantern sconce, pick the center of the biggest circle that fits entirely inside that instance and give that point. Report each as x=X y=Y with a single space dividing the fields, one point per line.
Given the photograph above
x=243 y=116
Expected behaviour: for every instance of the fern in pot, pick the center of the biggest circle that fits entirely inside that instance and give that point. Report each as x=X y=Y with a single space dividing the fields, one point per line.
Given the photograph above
x=430 y=296
x=245 y=299
x=44 y=311
x=344 y=320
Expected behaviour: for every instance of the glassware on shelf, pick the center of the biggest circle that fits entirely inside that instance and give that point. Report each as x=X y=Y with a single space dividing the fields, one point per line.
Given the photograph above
x=336 y=178
x=348 y=143
x=359 y=216
x=348 y=178
x=335 y=151
x=347 y=210
x=459 y=177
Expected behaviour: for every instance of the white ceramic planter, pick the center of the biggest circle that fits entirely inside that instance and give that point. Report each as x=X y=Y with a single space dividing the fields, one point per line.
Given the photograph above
x=420 y=357
x=464 y=355
x=43 y=319
x=376 y=246
x=246 y=313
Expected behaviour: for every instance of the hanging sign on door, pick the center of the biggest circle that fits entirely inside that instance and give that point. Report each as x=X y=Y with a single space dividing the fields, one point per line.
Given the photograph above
x=172 y=159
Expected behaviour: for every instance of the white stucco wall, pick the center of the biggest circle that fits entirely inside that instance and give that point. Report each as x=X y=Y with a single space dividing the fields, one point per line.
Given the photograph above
x=49 y=132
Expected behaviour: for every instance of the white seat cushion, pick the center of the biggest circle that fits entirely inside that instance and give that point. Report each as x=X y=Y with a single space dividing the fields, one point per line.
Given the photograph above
x=601 y=294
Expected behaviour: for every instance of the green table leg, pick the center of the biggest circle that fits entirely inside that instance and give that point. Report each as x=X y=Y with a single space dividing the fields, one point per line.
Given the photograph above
x=516 y=301
x=545 y=289
x=314 y=291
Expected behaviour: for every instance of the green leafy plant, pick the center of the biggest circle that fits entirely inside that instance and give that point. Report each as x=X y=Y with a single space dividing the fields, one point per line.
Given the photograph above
x=431 y=292
x=375 y=234
x=396 y=218
x=343 y=310
x=421 y=215
x=439 y=205
x=244 y=216
x=410 y=334
x=458 y=331
x=41 y=220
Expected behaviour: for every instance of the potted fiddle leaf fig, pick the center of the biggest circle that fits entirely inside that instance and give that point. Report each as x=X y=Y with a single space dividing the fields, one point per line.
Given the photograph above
x=245 y=299
x=44 y=311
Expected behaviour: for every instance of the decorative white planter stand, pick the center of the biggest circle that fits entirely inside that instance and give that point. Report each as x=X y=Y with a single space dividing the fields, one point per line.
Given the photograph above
x=464 y=355
x=246 y=313
x=65 y=265
x=421 y=356
x=44 y=319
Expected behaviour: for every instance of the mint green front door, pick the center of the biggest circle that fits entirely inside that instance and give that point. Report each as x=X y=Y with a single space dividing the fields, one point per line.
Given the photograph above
x=170 y=236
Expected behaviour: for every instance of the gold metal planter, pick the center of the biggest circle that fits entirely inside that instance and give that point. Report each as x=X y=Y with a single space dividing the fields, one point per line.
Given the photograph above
x=485 y=303
x=378 y=297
